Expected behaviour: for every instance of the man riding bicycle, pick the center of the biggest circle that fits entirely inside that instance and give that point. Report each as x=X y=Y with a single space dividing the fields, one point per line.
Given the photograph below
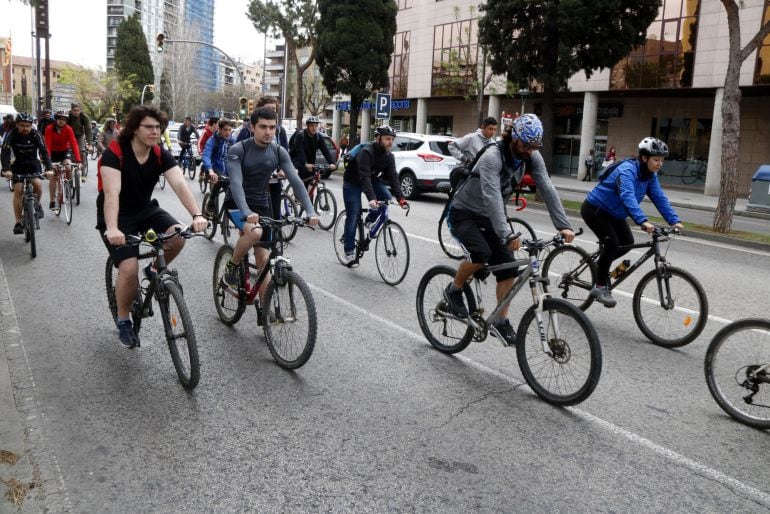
x=62 y=145
x=304 y=145
x=81 y=126
x=184 y=135
x=250 y=164
x=615 y=198
x=28 y=147
x=130 y=168
x=367 y=173
x=478 y=220
x=214 y=157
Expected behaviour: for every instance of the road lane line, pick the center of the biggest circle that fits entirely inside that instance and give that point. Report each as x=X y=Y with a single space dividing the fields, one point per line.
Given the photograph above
x=735 y=485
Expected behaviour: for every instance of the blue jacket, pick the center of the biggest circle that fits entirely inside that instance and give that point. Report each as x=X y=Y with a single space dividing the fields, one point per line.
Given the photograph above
x=620 y=194
x=215 y=153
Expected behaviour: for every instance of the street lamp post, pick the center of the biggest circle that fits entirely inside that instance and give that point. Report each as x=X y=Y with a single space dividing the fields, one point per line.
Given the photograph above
x=151 y=87
x=523 y=93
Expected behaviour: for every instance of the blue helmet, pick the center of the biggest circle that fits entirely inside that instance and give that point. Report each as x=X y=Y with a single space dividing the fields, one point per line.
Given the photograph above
x=528 y=129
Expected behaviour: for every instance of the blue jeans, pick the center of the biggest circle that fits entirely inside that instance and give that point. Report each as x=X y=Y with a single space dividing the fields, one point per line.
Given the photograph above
x=351 y=195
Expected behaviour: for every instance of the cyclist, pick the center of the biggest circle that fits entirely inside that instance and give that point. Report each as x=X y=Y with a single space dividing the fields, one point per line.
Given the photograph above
x=250 y=164
x=304 y=145
x=478 y=220
x=28 y=147
x=130 y=168
x=211 y=126
x=7 y=126
x=94 y=132
x=214 y=156
x=466 y=148
x=109 y=132
x=81 y=125
x=183 y=137
x=282 y=139
x=366 y=173
x=62 y=145
x=46 y=120
x=615 y=198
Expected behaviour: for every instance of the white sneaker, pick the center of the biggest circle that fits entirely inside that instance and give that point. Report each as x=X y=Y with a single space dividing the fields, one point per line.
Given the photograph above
x=350 y=260
x=603 y=296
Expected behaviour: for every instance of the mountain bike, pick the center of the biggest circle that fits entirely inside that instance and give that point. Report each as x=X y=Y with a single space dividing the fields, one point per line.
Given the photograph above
x=324 y=202
x=220 y=219
x=187 y=161
x=669 y=304
x=557 y=347
x=737 y=367
x=451 y=247
x=165 y=288
x=287 y=311
x=31 y=210
x=391 y=247
x=64 y=191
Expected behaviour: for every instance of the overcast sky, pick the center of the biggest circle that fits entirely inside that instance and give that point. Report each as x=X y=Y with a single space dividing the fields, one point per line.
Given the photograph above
x=79 y=30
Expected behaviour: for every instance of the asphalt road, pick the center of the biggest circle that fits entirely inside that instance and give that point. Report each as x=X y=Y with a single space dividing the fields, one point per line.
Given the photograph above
x=377 y=420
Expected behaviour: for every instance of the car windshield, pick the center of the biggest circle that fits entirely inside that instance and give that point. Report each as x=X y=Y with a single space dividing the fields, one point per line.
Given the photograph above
x=441 y=147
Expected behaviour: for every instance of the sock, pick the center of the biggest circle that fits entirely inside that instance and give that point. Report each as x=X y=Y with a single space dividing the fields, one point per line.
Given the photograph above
x=123 y=320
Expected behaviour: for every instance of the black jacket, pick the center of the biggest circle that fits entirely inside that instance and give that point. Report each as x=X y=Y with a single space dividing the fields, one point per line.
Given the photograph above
x=28 y=150
x=373 y=163
x=303 y=148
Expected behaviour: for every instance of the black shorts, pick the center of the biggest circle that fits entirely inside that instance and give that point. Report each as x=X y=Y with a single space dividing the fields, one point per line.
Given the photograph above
x=153 y=217
x=61 y=156
x=480 y=242
x=235 y=216
x=28 y=169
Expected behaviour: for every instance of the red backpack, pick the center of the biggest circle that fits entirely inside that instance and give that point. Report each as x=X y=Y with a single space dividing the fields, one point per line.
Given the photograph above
x=115 y=149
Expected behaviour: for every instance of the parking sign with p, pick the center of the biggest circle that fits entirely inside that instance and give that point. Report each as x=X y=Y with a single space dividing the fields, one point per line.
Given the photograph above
x=382 y=107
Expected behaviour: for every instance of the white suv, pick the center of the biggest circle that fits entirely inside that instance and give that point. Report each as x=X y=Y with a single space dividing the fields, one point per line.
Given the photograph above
x=422 y=162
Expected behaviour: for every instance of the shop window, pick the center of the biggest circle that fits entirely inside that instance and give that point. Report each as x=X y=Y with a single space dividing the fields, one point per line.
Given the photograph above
x=439 y=125
x=762 y=70
x=399 y=66
x=455 y=58
x=687 y=138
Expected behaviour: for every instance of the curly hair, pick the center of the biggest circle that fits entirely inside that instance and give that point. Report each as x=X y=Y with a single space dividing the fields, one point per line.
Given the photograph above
x=134 y=119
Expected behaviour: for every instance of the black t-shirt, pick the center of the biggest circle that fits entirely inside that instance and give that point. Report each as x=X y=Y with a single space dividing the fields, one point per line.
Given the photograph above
x=136 y=181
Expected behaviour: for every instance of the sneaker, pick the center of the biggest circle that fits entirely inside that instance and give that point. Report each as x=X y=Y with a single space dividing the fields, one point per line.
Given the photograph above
x=455 y=304
x=39 y=211
x=603 y=296
x=350 y=260
x=128 y=337
x=18 y=228
x=505 y=331
x=82 y=179
x=231 y=278
x=52 y=205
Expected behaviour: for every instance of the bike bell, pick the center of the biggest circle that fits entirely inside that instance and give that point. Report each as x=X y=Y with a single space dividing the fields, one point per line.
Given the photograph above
x=150 y=236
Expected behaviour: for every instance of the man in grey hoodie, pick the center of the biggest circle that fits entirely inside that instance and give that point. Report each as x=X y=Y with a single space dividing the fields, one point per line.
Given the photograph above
x=478 y=220
x=465 y=148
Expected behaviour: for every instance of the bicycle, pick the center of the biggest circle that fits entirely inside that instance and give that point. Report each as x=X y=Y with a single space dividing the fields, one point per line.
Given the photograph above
x=187 y=161
x=324 y=202
x=669 y=304
x=737 y=367
x=391 y=247
x=93 y=151
x=220 y=219
x=83 y=160
x=203 y=180
x=695 y=171
x=452 y=248
x=557 y=347
x=287 y=314
x=165 y=288
x=31 y=210
x=290 y=210
x=64 y=191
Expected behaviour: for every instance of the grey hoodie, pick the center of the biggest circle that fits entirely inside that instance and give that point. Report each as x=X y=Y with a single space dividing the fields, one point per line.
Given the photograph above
x=466 y=148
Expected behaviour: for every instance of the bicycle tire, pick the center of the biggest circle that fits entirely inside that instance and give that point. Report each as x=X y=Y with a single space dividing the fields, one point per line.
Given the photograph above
x=519 y=226
x=446 y=335
x=85 y=167
x=449 y=245
x=282 y=291
x=185 y=357
x=76 y=186
x=572 y=273
x=338 y=237
x=203 y=184
x=325 y=205
x=162 y=181
x=289 y=210
x=681 y=314
x=228 y=229
x=729 y=349
x=29 y=226
x=136 y=306
x=229 y=308
x=66 y=205
x=587 y=362
x=211 y=229
x=391 y=253
x=189 y=168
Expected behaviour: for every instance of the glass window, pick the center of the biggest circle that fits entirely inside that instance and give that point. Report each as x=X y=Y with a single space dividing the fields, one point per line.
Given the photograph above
x=441 y=147
x=399 y=66
x=405 y=144
x=762 y=69
x=455 y=58
x=404 y=4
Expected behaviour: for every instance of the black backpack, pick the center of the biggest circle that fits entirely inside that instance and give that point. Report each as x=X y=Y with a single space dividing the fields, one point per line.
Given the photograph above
x=463 y=172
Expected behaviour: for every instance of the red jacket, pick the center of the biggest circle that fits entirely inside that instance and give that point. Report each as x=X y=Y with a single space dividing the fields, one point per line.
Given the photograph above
x=61 y=141
x=202 y=143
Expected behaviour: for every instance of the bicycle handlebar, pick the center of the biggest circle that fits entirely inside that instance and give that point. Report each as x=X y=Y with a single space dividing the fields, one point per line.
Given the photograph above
x=266 y=221
x=153 y=238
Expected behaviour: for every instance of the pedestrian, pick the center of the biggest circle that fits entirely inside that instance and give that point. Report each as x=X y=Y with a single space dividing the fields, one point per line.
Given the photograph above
x=590 y=164
x=609 y=157
x=344 y=142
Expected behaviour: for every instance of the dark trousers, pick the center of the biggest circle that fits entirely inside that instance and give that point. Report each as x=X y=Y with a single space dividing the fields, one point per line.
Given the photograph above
x=611 y=232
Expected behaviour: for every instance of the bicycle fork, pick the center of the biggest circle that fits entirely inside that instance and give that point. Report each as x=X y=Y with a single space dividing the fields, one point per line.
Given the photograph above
x=538 y=299
x=666 y=301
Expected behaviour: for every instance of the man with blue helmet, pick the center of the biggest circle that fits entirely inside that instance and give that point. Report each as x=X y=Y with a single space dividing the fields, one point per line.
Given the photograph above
x=478 y=220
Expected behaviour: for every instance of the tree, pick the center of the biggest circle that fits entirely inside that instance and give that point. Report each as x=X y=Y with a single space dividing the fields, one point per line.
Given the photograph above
x=355 y=46
x=546 y=44
x=97 y=93
x=180 y=91
x=731 y=115
x=294 y=20
x=316 y=96
x=132 y=60
x=22 y=103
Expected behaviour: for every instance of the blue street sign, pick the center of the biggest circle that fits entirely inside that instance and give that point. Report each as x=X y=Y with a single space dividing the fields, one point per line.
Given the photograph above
x=382 y=106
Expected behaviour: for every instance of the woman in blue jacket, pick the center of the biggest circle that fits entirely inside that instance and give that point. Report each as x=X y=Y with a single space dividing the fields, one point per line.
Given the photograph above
x=617 y=197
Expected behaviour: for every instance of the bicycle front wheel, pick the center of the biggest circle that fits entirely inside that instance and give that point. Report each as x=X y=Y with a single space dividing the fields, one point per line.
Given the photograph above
x=180 y=334
x=565 y=368
x=444 y=333
x=85 y=167
x=29 y=226
x=66 y=205
x=391 y=253
x=733 y=371
x=571 y=273
x=289 y=210
x=519 y=226
x=76 y=186
x=676 y=318
x=190 y=168
x=325 y=206
x=203 y=182
x=211 y=229
x=289 y=319
x=227 y=302
x=448 y=243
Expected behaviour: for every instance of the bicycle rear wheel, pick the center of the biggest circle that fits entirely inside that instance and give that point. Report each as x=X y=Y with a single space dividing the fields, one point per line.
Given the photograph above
x=289 y=319
x=189 y=168
x=339 y=237
x=448 y=243
x=391 y=253
x=228 y=303
x=110 y=275
x=66 y=201
x=289 y=210
x=567 y=370
x=76 y=186
x=211 y=229
x=325 y=206
x=686 y=307
x=444 y=333
x=733 y=374
x=180 y=334
x=572 y=274
x=29 y=226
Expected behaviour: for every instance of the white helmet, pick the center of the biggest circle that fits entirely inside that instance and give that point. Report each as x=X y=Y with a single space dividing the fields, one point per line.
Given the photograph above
x=653 y=147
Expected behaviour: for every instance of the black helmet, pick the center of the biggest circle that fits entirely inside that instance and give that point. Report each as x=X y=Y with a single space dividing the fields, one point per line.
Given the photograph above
x=24 y=116
x=385 y=130
x=653 y=147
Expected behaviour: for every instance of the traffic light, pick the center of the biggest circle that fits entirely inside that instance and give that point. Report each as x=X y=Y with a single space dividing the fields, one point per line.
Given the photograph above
x=160 y=39
x=244 y=105
x=251 y=106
